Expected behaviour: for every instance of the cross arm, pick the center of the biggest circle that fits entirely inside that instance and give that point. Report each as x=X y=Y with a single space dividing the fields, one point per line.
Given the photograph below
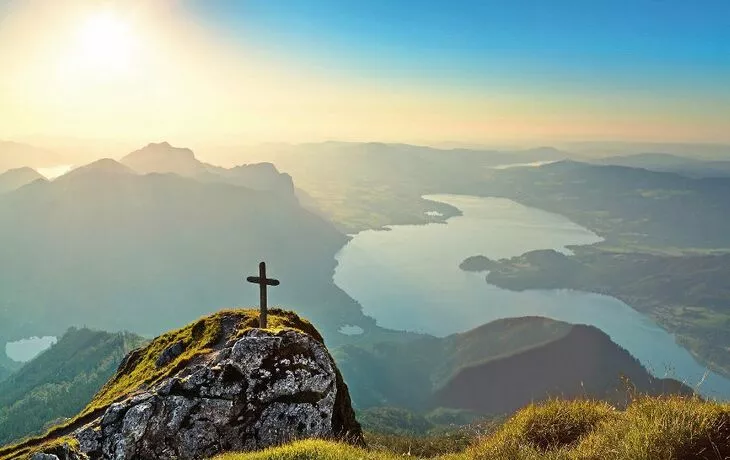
x=258 y=280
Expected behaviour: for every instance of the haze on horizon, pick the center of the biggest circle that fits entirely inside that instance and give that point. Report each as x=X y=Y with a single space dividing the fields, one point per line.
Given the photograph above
x=479 y=72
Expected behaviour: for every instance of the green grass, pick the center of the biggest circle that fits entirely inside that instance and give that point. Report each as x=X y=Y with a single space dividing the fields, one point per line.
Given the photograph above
x=313 y=449
x=425 y=446
x=667 y=428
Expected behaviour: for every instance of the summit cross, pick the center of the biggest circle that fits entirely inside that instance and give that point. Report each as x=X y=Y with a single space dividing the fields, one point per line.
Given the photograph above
x=263 y=282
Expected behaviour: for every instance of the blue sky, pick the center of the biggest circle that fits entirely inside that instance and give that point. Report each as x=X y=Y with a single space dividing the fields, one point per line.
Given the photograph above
x=591 y=42
x=528 y=71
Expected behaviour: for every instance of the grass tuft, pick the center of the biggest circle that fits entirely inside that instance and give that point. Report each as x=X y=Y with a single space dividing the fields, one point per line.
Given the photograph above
x=651 y=428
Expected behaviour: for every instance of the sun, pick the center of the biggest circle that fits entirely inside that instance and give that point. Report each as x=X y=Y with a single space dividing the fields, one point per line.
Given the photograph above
x=105 y=44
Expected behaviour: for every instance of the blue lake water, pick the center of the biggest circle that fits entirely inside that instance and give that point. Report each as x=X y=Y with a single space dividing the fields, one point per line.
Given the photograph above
x=27 y=349
x=408 y=278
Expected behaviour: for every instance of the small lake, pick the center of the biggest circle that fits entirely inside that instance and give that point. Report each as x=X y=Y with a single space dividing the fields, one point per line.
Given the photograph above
x=26 y=349
x=408 y=278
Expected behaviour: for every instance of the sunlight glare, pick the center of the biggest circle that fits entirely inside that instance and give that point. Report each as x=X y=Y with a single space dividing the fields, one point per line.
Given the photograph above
x=105 y=45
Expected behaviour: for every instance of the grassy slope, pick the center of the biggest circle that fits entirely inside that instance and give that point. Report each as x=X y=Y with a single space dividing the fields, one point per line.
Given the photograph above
x=650 y=428
x=139 y=368
x=60 y=381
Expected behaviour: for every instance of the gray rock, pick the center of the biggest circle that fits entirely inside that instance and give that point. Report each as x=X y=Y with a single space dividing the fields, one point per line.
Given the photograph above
x=42 y=456
x=170 y=353
x=61 y=452
x=259 y=390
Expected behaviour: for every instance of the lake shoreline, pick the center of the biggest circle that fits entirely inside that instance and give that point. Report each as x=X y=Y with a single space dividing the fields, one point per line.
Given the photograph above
x=601 y=271
x=427 y=283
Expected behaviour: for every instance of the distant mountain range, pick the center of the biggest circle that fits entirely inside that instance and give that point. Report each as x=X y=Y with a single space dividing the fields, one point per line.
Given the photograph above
x=114 y=248
x=362 y=186
x=164 y=158
x=15 y=155
x=630 y=207
x=598 y=149
x=664 y=162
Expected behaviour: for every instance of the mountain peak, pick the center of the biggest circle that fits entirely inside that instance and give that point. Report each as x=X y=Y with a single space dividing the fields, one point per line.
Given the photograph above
x=13 y=179
x=105 y=166
x=25 y=170
x=164 y=158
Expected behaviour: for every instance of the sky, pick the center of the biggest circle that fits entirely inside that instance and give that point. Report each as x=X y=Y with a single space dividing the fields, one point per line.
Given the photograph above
x=228 y=72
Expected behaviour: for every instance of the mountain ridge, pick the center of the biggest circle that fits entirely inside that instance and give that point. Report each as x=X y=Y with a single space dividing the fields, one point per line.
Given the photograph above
x=578 y=364
x=227 y=231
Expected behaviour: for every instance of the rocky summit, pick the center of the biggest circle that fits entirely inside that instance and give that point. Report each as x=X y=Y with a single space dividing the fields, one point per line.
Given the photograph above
x=215 y=386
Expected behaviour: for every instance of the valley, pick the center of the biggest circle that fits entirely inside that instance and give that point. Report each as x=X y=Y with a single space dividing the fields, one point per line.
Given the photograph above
x=426 y=316
x=331 y=230
x=634 y=211
x=434 y=296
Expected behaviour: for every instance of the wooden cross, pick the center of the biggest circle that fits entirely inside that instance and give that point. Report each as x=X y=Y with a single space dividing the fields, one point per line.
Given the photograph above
x=262 y=281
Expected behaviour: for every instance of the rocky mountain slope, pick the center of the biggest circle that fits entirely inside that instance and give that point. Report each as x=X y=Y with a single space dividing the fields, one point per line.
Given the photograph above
x=220 y=384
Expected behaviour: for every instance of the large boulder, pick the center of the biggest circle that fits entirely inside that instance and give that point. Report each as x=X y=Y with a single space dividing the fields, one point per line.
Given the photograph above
x=230 y=389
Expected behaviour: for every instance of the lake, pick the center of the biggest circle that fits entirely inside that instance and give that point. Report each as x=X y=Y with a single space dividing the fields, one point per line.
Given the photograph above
x=408 y=278
x=26 y=349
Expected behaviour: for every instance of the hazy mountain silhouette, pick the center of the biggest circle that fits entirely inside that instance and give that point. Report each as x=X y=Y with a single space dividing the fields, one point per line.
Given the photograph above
x=16 y=178
x=15 y=155
x=164 y=158
x=109 y=248
x=103 y=168
x=699 y=151
x=664 y=162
